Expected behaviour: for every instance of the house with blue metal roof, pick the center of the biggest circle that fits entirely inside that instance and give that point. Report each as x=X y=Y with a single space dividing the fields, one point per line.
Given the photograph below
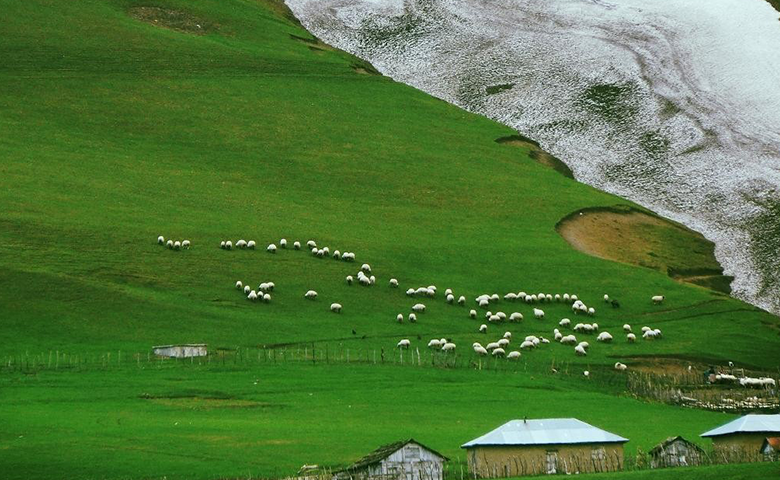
x=741 y=440
x=552 y=445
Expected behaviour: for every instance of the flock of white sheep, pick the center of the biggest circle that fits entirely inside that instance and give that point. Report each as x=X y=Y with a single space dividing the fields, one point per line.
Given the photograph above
x=497 y=348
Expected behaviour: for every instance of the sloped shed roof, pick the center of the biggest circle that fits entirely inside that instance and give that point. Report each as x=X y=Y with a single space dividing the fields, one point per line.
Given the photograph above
x=549 y=431
x=385 y=451
x=663 y=445
x=747 y=424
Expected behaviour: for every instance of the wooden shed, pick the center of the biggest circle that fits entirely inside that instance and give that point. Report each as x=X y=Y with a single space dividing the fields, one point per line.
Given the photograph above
x=404 y=460
x=741 y=440
x=554 y=445
x=676 y=452
x=185 y=350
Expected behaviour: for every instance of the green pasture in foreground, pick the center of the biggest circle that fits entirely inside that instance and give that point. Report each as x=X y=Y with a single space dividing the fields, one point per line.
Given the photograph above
x=205 y=422
x=114 y=131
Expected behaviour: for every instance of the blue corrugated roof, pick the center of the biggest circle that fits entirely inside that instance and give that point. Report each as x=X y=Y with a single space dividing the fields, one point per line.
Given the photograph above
x=747 y=424
x=548 y=431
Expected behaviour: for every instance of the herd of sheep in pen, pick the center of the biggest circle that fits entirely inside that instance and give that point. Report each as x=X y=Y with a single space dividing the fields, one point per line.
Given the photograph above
x=496 y=349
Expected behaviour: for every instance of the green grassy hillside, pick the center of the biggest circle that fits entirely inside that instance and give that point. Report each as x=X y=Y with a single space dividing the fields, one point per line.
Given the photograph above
x=114 y=130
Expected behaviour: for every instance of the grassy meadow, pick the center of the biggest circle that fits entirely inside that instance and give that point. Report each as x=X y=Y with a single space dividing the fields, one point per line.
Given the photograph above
x=114 y=130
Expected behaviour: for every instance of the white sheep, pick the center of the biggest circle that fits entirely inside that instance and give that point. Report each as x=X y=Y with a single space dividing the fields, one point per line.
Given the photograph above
x=549 y=297
x=494 y=297
x=335 y=307
x=631 y=338
x=627 y=328
x=350 y=279
x=252 y=296
x=573 y=298
x=513 y=355
x=435 y=343
x=503 y=342
x=311 y=244
x=649 y=335
x=492 y=345
x=472 y=313
x=591 y=311
x=222 y=244
x=516 y=317
x=494 y=318
x=480 y=350
x=450 y=298
x=412 y=318
x=320 y=253
x=511 y=297
x=461 y=300
x=297 y=245
x=566 y=297
x=448 y=347
x=161 y=240
x=337 y=255
x=565 y=322
x=372 y=280
x=251 y=244
x=557 y=335
x=228 y=245
x=501 y=316
x=394 y=283
x=169 y=244
x=271 y=248
x=247 y=289
x=584 y=345
x=448 y=291
x=484 y=303
x=418 y=308
x=403 y=343
x=241 y=244
x=568 y=340
x=326 y=251
x=399 y=318
x=557 y=297
x=658 y=299
x=620 y=366
x=185 y=244
x=311 y=295
x=409 y=292
x=498 y=352
x=606 y=298
x=483 y=328
x=580 y=351
x=366 y=268
x=507 y=334
x=283 y=243
x=527 y=345
x=239 y=285
x=271 y=286
x=538 y=313
x=605 y=337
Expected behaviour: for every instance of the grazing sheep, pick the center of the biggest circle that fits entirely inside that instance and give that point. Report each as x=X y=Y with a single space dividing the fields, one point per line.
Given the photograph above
x=239 y=285
x=472 y=314
x=527 y=345
x=418 y=308
x=448 y=291
x=364 y=280
x=161 y=240
x=591 y=311
x=326 y=251
x=574 y=298
x=484 y=303
x=412 y=318
x=580 y=351
x=247 y=289
x=399 y=318
x=657 y=333
x=321 y=253
x=314 y=251
x=501 y=316
x=494 y=297
x=266 y=297
x=283 y=243
x=311 y=295
x=513 y=355
x=251 y=244
x=620 y=366
x=558 y=336
x=404 y=343
x=503 y=342
x=516 y=317
x=649 y=335
x=311 y=244
x=586 y=373
x=366 y=268
x=410 y=292
x=557 y=297
x=185 y=244
x=271 y=286
x=511 y=297
x=461 y=300
x=450 y=298
x=480 y=350
x=241 y=244
x=627 y=328
x=658 y=299
x=222 y=244
x=605 y=337
x=645 y=329
x=631 y=338
x=584 y=345
x=549 y=297
x=350 y=279
x=606 y=298
x=372 y=280
x=297 y=245
x=252 y=296
x=337 y=255
x=492 y=345
x=568 y=340
x=566 y=297
x=169 y=244
x=271 y=248
x=394 y=283
x=498 y=352
x=335 y=307
x=448 y=347
x=565 y=322
x=228 y=245
x=483 y=328
x=507 y=335
x=435 y=343
x=348 y=257
x=538 y=313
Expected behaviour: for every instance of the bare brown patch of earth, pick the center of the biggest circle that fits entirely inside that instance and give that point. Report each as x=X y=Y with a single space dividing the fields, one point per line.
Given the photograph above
x=536 y=153
x=177 y=20
x=637 y=237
